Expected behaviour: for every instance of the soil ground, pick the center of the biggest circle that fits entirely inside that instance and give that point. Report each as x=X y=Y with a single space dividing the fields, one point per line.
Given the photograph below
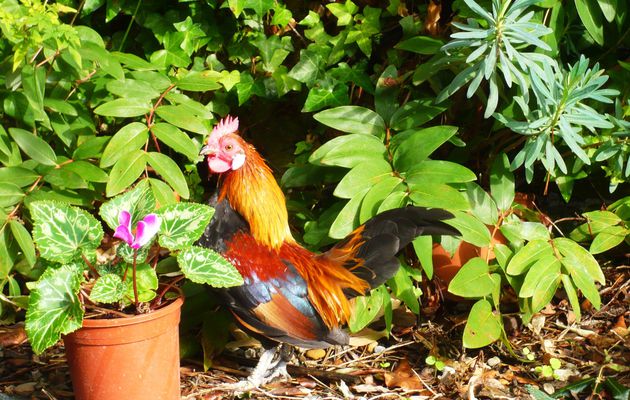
x=596 y=349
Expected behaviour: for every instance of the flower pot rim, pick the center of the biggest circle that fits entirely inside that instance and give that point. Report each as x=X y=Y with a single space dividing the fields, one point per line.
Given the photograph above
x=135 y=319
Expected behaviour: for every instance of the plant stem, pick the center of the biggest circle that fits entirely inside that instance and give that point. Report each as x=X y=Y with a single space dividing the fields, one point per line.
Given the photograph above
x=135 y=285
x=89 y=264
x=158 y=299
x=133 y=18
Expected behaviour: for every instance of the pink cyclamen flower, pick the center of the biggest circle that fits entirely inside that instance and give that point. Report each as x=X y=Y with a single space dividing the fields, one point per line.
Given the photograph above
x=145 y=230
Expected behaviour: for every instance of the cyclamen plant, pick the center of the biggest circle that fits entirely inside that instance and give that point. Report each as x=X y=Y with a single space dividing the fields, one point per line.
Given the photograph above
x=79 y=277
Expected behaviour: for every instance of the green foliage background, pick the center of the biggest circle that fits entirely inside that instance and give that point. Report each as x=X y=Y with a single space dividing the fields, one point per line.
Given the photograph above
x=364 y=106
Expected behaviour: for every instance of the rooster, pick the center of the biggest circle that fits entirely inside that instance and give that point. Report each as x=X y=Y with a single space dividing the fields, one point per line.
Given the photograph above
x=291 y=295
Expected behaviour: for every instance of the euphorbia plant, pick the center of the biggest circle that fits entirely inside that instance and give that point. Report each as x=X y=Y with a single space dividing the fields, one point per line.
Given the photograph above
x=79 y=276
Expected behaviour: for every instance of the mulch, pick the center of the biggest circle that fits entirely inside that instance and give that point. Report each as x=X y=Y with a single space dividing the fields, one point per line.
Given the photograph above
x=396 y=367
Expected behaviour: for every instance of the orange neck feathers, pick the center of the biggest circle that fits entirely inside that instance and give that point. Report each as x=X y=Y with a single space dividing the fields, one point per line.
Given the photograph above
x=254 y=193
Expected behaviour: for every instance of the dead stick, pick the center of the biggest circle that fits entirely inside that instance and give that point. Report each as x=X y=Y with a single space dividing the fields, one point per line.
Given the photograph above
x=293 y=370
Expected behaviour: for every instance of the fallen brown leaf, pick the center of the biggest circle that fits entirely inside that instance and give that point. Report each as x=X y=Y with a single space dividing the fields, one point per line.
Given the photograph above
x=403 y=377
x=13 y=335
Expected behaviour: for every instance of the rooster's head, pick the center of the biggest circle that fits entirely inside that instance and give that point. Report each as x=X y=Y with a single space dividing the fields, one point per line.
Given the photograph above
x=224 y=150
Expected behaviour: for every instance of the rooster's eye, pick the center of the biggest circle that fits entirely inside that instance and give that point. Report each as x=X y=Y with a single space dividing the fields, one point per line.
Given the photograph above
x=228 y=147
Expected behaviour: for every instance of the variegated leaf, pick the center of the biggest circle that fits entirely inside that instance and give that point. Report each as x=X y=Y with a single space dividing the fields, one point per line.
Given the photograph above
x=108 y=288
x=54 y=307
x=183 y=224
x=139 y=201
x=63 y=232
x=203 y=265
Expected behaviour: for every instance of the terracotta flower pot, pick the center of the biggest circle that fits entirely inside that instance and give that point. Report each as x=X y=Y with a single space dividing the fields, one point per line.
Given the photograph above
x=133 y=358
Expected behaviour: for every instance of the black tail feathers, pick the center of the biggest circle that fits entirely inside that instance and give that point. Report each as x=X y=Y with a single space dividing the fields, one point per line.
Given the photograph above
x=372 y=248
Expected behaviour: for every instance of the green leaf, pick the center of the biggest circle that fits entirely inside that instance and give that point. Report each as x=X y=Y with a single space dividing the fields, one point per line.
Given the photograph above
x=65 y=179
x=421 y=45
x=163 y=193
x=569 y=248
x=34 y=85
x=132 y=88
x=307 y=69
x=348 y=217
x=525 y=230
x=10 y=194
x=125 y=172
x=423 y=246
x=203 y=265
x=87 y=171
x=503 y=254
x=60 y=106
x=608 y=238
x=169 y=170
x=420 y=144
x=569 y=288
x=200 y=81
x=24 y=240
x=366 y=308
x=582 y=279
x=133 y=62
x=502 y=183
x=183 y=224
x=600 y=220
x=545 y=268
x=349 y=151
x=481 y=204
x=472 y=280
x=63 y=233
x=146 y=283
x=362 y=176
x=124 y=108
x=375 y=196
x=139 y=201
x=618 y=391
x=591 y=16
x=18 y=176
x=609 y=9
x=259 y=6
x=473 y=231
x=386 y=93
x=404 y=289
x=54 y=307
x=429 y=194
x=181 y=116
x=176 y=140
x=396 y=199
x=329 y=96
x=109 y=288
x=129 y=138
x=438 y=171
x=91 y=148
x=528 y=255
x=415 y=113
x=353 y=119
x=483 y=326
x=125 y=252
x=34 y=147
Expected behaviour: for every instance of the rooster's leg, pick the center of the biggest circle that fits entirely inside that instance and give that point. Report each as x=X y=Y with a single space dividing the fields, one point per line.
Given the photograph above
x=272 y=365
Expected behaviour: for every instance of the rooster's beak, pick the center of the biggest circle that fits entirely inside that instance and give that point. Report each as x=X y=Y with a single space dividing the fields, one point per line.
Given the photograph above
x=205 y=150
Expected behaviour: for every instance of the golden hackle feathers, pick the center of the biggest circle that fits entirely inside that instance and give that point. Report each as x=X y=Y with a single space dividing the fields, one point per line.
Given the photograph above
x=253 y=192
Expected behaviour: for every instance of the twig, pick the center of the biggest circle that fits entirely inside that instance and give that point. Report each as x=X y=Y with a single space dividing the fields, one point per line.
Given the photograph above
x=293 y=370
x=107 y=311
x=90 y=266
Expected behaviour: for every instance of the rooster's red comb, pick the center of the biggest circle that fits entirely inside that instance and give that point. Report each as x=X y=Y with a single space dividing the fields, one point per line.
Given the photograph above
x=227 y=125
